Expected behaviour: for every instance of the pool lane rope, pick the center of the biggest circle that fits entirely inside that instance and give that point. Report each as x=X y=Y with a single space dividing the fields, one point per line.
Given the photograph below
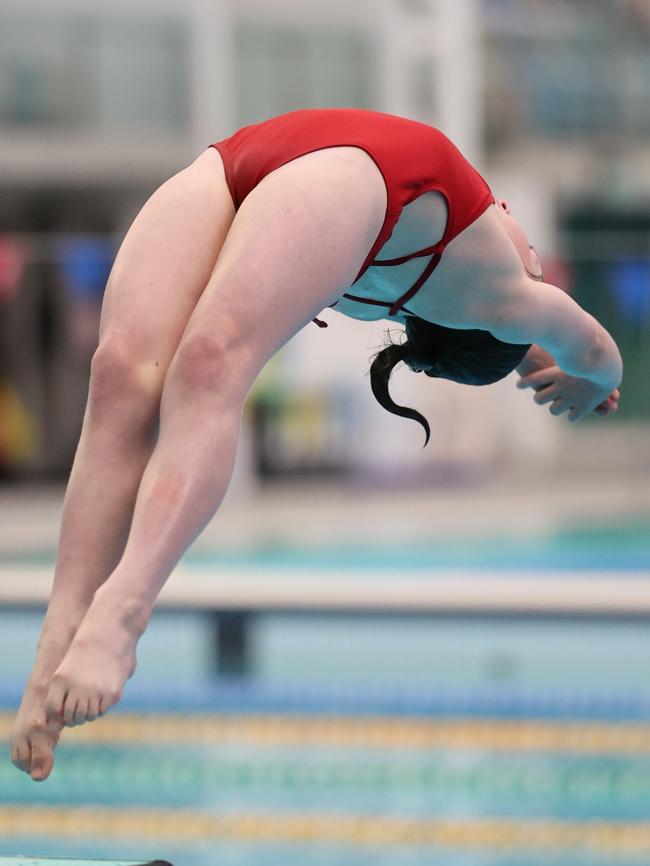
x=189 y=826
x=507 y=735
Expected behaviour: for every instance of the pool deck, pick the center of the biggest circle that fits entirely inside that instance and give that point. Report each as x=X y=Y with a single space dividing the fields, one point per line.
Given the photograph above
x=321 y=513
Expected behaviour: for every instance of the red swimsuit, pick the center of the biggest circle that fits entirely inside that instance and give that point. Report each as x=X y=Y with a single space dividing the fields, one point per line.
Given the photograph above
x=412 y=157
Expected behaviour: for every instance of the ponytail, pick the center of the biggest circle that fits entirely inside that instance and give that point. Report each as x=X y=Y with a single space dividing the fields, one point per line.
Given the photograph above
x=467 y=356
x=380 y=372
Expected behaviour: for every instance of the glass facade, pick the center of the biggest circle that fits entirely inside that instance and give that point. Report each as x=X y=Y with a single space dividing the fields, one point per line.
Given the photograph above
x=568 y=70
x=94 y=72
x=280 y=69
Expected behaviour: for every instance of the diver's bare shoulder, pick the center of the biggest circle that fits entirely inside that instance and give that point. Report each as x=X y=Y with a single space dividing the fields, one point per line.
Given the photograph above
x=483 y=283
x=469 y=282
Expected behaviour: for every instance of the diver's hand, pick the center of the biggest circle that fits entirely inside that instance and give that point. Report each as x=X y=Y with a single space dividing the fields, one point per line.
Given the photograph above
x=571 y=394
x=535 y=358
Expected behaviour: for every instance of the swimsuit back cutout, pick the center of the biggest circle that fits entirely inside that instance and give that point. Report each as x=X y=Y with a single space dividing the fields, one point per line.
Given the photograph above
x=412 y=157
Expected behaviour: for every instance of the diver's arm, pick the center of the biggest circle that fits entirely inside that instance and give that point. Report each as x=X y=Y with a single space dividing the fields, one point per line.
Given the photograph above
x=538 y=359
x=528 y=311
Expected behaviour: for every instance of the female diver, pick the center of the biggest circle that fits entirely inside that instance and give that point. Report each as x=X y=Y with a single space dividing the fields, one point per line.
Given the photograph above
x=224 y=263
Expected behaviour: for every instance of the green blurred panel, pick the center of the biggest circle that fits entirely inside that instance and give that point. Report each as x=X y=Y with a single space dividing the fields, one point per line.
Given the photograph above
x=608 y=247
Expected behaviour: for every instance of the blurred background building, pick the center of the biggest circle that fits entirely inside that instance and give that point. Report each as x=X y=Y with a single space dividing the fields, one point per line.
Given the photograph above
x=99 y=104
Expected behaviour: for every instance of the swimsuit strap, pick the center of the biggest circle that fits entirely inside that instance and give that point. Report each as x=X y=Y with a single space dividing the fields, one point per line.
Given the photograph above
x=396 y=306
x=435 y=251
x=322 y=324
x=374 y=302
x=417 y=285
x=428 y=251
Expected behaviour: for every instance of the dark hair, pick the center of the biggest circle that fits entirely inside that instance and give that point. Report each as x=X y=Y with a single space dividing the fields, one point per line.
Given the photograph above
x=471 y=357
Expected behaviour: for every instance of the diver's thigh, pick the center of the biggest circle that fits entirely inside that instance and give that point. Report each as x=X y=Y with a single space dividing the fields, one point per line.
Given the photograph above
x=297 y=242
x=167 y=256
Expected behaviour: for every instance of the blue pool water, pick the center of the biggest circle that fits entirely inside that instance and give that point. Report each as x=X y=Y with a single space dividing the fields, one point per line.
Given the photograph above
x=376 y=741
x=607 y=546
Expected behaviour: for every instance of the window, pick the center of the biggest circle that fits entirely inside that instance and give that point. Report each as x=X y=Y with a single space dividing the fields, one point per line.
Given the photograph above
x=114 y=73
x=280 y=69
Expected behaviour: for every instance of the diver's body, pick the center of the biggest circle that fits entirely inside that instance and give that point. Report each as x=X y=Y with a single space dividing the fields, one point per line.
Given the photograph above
x=204 y=290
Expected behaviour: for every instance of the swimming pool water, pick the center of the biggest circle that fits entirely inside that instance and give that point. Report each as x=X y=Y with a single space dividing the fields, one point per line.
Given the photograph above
x=376 y=741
